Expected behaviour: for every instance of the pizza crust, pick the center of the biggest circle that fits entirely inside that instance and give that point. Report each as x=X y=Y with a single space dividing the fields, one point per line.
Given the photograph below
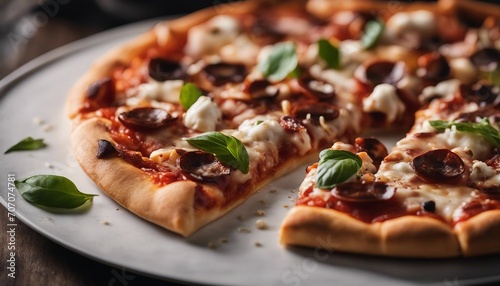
x=408 y=236
x=480 y=234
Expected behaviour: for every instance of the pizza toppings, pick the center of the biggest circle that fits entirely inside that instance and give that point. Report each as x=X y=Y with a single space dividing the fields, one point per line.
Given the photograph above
x=280 y=61
x=433 y=67
x=429 y=206
x=438 y=165
x=228 y=149
x=374 y=72
x=162 y=70
x=487 y=59
x=373 y=32
x=105 y=149
x=317 y=89
x=222 y=73
x=189 y=95
x=384 y=99
x=100 y=94
x=373 y=147
x=483 y=128
x=146 y=118
x=360 y=191
x=202 y=165
x=335 y=167
x=315 y=111
x=262 y=89
x=203 y=115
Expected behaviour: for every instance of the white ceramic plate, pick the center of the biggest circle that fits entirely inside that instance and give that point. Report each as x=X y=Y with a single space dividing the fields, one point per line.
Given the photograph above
x=111 y=234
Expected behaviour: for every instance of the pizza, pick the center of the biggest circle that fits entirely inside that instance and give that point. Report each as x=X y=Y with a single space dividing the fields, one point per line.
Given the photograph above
x=187 y=121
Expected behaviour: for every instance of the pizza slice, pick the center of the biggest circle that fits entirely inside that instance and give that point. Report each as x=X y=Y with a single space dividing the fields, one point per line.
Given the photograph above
x=184 y=123
x=436 y=194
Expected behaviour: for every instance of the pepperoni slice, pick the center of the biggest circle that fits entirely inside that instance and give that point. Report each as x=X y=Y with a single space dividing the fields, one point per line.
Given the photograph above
x=105 y=149
x=438 y=165
x=162 y=70
x=375 y=72
x=202 y=165
x=146 y=118
x=363 y=191
x=291 y=124
x=262 y=89
x=315 y=110
x=433 y=67
x=486 y=59
x=100 y=94
x=373 y=147
x=317 y=88
x=222 y=73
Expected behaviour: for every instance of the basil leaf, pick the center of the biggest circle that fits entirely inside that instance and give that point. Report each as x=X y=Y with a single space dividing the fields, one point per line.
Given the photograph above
x=335 y=167
x=51 y=191
x=329 y=53
x=493 y=77
x=189 y=95
x=228 y=149
x=282 y=60
x=483 y=128
x=26 y=144
x=372 y=33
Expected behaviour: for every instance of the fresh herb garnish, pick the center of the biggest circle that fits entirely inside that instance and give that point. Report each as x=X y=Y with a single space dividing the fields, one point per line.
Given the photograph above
x=329 y=53
x=228 y=149
x=335 y=167
x=189 y=95
x=27 y=144
x=51 y=191
x=372 y=33
x=282 y=61
x=483 y=128
x=493 y=77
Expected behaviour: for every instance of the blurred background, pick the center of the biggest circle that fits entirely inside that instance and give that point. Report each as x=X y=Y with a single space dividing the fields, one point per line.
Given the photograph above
x=29 y=28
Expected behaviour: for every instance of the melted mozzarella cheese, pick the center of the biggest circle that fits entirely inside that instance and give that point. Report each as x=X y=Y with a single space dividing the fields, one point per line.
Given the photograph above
x=168 y=91
x=442 y=89
x=208 y=38
x=476 y=143
x=262 y=129
x=384 y=99
x=480 y=171
x=419 y=22
x=448 y=199
x=203 y=115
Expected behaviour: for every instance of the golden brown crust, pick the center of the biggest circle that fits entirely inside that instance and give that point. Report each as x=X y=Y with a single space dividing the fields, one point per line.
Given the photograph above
x=330 y=229
x=480 y=234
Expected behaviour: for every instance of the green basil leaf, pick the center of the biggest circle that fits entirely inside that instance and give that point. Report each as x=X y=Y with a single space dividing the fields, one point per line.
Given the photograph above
x=493 y=77
x=228 y=149
x=282 y=60
x=189 y=95
x=51 y=191
x=483 y=128
x=329 y=53
x=335 y=167
x=26 y=144
x=372 y=33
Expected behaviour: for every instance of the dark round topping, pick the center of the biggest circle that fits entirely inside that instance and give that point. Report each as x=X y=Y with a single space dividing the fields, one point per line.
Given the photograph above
x=315 y=110
x=486 y=59
x=491 y=191
x=317 y=88
x=291 y=124
x=375 y=72
x=222 y=73
x=487 y=112
x=105 y=149
x=438 y=165
x=494 y=161
x=429 y=206
x=101 y=93
x=260 y=89
x=480 y=92
x=363 y=192
x=161 y=70
x=202 y=165
x=433 y=66
x=146 y=118
x=374 y=148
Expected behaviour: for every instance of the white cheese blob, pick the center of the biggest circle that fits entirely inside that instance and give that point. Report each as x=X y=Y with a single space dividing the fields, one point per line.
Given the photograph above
x=384 y=99
x=262 y=130
x=480 y=171
x=442 y=89
x=208 y=38
x=464 y=70
x=419 y=22
x=476 y=143
x=203 y=115
x=168 y=91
